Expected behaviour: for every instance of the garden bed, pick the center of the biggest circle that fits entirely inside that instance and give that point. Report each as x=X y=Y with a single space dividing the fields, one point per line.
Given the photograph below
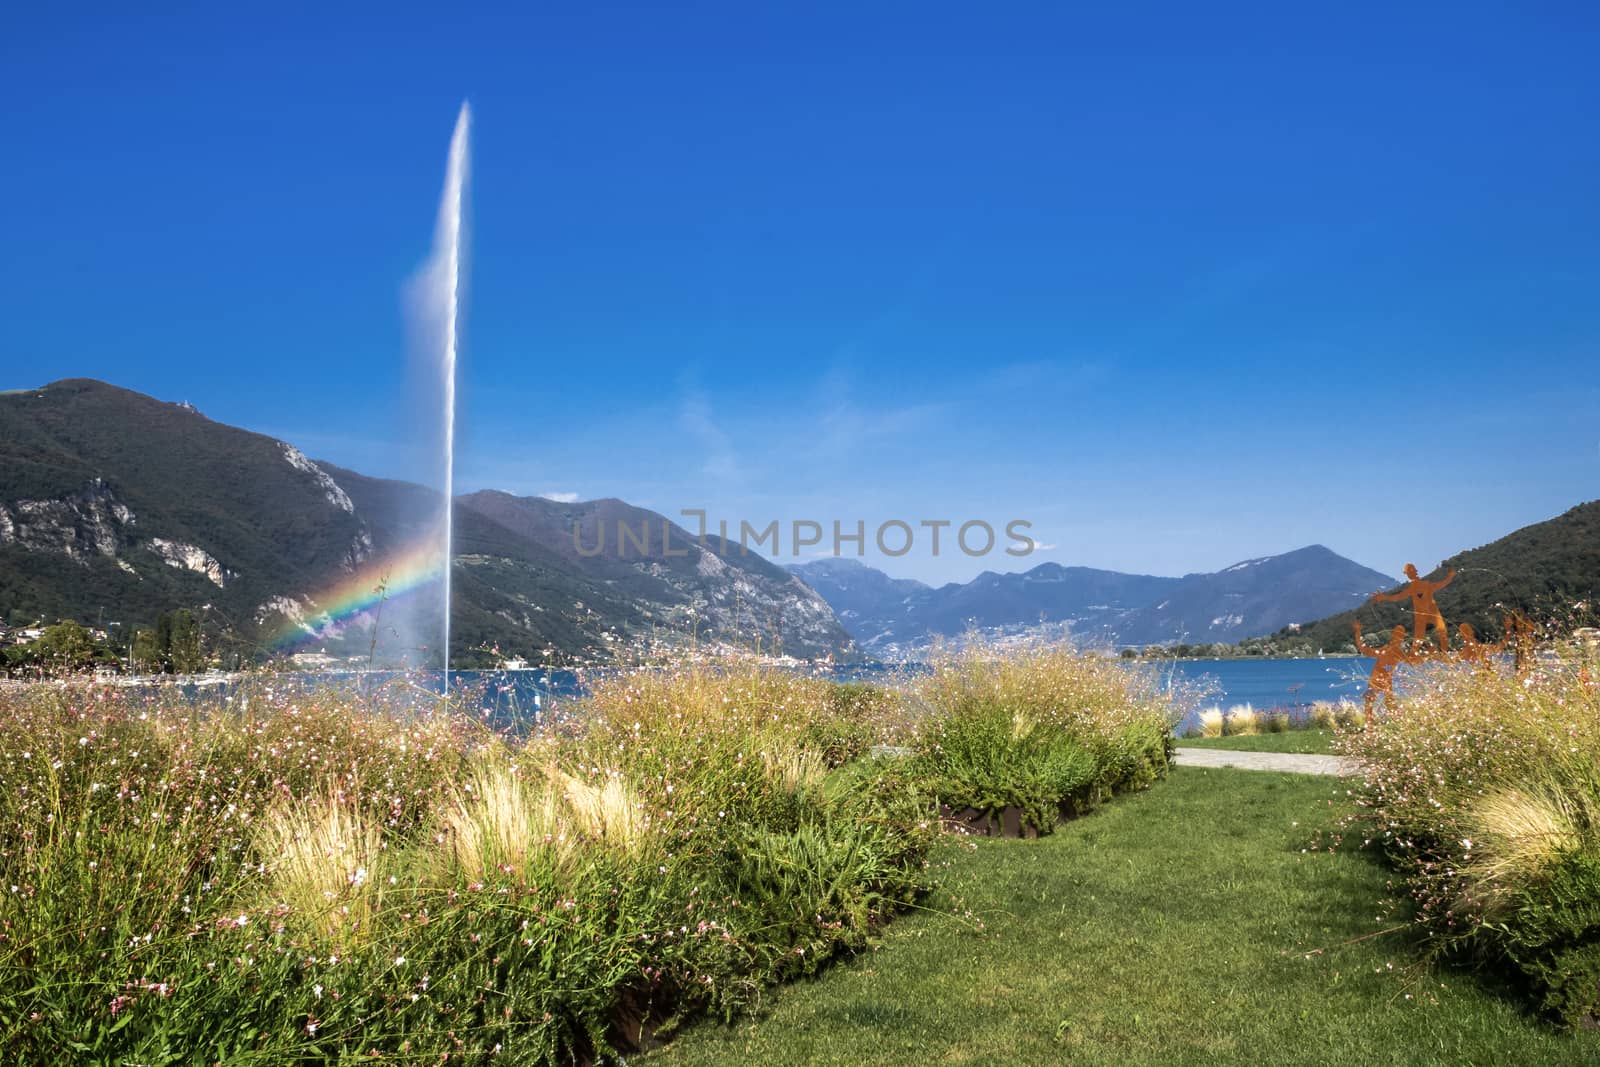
x=304 y=875
x=1483 y=789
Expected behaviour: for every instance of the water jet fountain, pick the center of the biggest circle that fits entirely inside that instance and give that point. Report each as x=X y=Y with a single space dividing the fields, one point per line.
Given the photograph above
x=447 y=294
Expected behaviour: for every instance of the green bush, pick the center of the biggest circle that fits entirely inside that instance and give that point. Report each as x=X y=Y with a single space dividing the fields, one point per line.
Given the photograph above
x=1484 y=789
x=318 y=876
x=816 y=891
x=1045 y=729
x=991 y=762
x=311 y=877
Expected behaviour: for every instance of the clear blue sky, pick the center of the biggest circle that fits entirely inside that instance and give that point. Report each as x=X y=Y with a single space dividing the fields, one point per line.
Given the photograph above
x=1179 y=284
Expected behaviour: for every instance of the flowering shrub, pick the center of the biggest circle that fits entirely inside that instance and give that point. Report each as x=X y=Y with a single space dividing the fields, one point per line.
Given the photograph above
x=312 y=875
x=1484 y=789
x=317 y=874
x=1043 y=729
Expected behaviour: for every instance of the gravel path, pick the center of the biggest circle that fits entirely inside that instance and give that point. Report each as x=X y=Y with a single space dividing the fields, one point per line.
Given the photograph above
x=1266 y=761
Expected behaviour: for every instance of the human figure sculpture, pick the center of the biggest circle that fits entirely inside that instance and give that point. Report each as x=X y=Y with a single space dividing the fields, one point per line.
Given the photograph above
x=1388 y=657
x=1424 y=609
x=1476 y=652
x=1522 y=634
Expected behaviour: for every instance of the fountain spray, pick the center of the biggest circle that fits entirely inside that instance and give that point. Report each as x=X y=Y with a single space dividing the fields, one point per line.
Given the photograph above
x=449 y=281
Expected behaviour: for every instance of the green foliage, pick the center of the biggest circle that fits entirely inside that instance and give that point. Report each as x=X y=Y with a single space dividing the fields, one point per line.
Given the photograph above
x=859 y=716
x=320 y=875
x=1042 y=729
x=63 y=649
x=817 y=890
x=1484 y=790
x=286 y=878
x=991 y=762
x=1190 y=924
x=176 y=642
x=147 y=653
x=68 y=645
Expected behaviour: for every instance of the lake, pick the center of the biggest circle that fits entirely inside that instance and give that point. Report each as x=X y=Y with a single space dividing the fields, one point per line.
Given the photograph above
x=1275 y=683
x=1292 y=684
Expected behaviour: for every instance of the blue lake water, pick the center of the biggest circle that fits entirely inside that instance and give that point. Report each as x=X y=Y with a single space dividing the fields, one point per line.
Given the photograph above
x=521 y=696
x=1275 y=683
x=1289 y=684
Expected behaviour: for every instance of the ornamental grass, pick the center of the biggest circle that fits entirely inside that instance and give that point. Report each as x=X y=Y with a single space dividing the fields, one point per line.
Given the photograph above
x=309 y=874
x=1483 y=787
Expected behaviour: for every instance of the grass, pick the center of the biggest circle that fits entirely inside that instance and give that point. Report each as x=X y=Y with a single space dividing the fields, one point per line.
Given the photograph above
x=1194 y=923
x=1316 y=742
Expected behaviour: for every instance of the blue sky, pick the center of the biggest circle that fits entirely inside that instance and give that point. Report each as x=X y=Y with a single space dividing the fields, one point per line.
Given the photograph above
x=1180 y=285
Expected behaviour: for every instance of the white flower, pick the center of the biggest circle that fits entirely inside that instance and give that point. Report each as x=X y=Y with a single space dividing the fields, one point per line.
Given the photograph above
x=399 y=961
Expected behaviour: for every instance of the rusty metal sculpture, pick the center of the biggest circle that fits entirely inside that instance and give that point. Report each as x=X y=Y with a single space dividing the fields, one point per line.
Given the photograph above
x=1476 y=652
x=1388 y=657
x=1425 y=613
x=1424 y=608
x=1523 y=635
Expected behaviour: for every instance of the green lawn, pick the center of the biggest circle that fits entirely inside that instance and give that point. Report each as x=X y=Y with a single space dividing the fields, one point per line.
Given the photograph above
x=1314 y=741
x=1181 y=925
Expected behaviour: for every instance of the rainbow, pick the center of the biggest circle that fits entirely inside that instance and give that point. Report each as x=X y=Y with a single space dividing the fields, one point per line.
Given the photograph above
x=378 y=580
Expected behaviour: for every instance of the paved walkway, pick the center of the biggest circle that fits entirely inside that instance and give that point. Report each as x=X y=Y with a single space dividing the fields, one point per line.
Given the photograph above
x=1266 y=761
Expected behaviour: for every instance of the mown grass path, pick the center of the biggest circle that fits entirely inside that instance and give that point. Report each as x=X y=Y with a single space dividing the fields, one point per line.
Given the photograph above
x=1187 y=924
x=1309 y=741
x=1295 y=763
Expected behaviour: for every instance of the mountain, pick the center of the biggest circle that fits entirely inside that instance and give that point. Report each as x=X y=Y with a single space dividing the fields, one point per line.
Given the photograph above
x=1546 y=570
x=115 y=506
x=1091 y=600
x=888 y=615
x=651 y=566
x=866 y=600
x=1253 y=597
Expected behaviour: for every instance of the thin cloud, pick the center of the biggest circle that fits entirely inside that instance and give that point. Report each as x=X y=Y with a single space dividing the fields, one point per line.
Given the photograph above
x=562 y=498
x=721 y=459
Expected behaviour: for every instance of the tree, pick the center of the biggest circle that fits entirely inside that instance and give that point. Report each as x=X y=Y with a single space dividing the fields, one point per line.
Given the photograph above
x=66 y=647
x=184 y=652
x=148 y=656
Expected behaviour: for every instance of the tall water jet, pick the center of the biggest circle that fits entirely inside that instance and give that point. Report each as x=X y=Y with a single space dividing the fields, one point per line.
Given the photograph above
x=447 y=302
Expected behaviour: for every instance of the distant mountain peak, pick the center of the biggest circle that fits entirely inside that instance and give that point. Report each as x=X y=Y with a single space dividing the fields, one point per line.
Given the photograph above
x=1253 y=596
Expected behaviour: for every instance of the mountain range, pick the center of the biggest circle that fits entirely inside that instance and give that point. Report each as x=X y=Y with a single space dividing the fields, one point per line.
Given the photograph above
x=115 y=506
x=892 y=616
